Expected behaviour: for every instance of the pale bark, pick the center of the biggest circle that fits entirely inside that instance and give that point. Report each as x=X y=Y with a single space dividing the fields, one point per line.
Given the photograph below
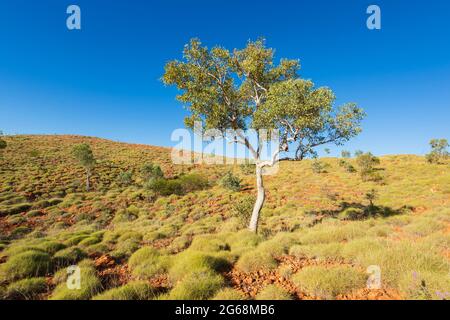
x=259 y=200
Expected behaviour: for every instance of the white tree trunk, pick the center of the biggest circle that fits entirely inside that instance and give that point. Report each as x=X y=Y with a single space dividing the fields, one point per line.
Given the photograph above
x=259 y=200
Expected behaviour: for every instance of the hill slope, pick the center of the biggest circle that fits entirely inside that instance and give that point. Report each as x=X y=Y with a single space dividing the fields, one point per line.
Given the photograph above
x=319 y=232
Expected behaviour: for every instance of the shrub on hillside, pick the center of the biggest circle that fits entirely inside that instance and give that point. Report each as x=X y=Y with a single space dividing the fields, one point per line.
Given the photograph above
x=438 y=151
x=230 y=182
x=243 y=207
x=367 y=162
x=125 y=179
x=151 y=171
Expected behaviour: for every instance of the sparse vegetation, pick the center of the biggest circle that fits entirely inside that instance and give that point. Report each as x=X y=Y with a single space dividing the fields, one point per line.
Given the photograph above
x=331 y=220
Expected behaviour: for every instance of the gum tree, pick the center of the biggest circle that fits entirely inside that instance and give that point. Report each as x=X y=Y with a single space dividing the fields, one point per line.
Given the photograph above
x=83 y=154
x=238 y=90
x=308 y=115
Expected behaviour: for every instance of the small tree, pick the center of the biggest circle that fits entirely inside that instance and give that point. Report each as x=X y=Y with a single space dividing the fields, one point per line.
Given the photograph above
x=246 y=89
x=438 y=150
x=83 y=153
x=150 y=172
x=367 y=162
x=230 y=182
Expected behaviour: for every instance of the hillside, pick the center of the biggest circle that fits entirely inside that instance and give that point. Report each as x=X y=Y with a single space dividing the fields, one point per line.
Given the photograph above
x=319 y=232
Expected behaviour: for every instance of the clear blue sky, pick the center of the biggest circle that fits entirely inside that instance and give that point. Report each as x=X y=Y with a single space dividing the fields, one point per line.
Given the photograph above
x=104 y=80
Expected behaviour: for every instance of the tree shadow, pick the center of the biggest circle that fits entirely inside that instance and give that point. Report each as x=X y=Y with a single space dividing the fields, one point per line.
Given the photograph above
x=360 y=211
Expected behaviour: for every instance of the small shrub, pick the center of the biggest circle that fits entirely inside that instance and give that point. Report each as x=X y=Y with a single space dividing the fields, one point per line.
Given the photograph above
x=190 y=260
x=200 y=284
x=256 y=260
x=273 y=292
x=242 y=208
x=367 y=162
x=193 y=182
x=90 y=284
x=27 y=264
x=327 y=283
x=230 y=182
x=318 y=167
x=165 y=187
x=26 y=289
x=151 y=171
x=125 y=179
x=148 y=262
x=209 y=243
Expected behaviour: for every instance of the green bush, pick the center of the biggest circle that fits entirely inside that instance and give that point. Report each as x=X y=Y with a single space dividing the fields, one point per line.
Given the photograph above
x=327 y=283
x=165 y=187
x=125 y=179
x=256 y=260
x=242 y=208
x=68 y=256
x=190 y=260
x=230 y=182
x=148 y=262
x=208 y=243
x=200 y=284
x=90 y=284
x=27 y=264
x=26 y=289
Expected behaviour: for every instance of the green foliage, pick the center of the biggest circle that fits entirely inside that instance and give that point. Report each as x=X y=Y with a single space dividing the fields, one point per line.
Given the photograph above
x=89 y=282
x=327 y=283
x=209 y=243
x=148 y=262
x=242 y=208
x=367 y=162
x=68 y=256
x=125 y=179
x=230 y=182
x=83 y=154
x=256 y=260
x=438 y=151
x=137 y=290
x=199 y=284
x=190 y=260
x=184 y=184
x=151 y=171
x=273 y=292
x=26 y=264
x=26 y=289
